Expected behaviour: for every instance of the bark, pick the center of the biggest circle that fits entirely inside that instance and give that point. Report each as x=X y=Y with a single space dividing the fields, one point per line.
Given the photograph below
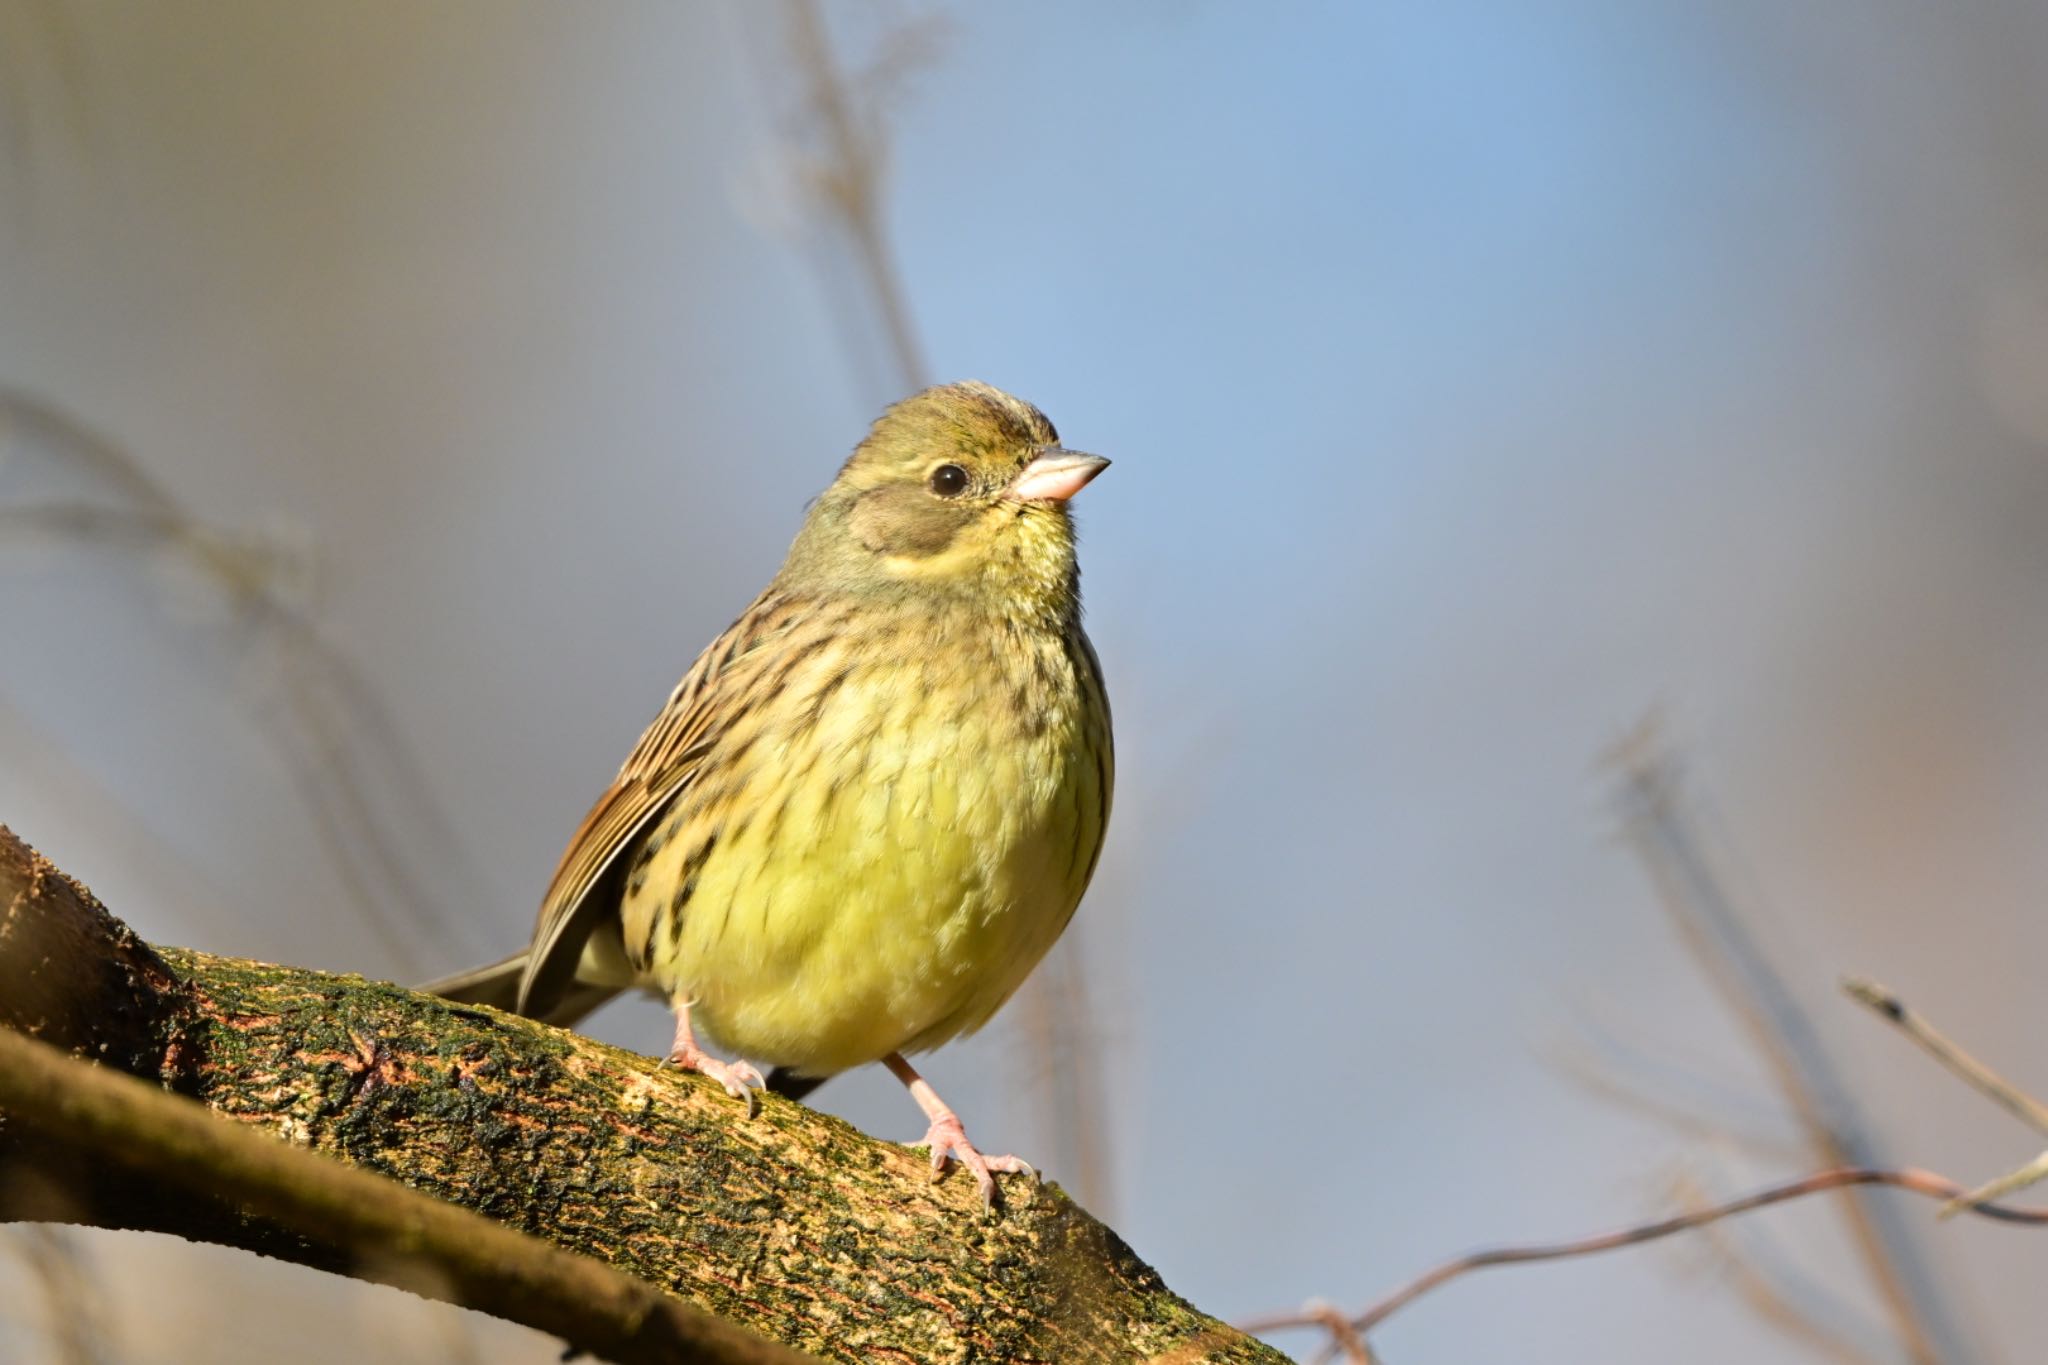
x=400 y=1237
x=793 y=1224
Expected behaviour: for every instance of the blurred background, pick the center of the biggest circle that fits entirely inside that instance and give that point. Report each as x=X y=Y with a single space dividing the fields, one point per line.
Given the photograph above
x=394 y=398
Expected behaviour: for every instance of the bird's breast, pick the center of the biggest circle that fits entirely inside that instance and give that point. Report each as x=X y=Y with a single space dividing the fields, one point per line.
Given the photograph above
x=878 y=849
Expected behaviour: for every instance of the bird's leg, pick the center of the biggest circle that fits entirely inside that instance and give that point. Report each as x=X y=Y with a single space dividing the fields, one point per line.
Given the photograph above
x=948 y=1139
x=738 y=1078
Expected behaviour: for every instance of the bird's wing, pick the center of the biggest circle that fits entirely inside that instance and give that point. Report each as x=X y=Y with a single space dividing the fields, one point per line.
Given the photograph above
x=586 y=882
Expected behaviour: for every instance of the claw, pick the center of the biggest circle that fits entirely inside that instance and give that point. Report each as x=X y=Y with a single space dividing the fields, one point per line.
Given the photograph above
x=948 y=1139
x=948 y=1142
x=740 y=1079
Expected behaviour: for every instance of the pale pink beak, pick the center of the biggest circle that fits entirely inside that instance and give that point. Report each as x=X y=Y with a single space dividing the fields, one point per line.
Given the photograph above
x=1055 y=475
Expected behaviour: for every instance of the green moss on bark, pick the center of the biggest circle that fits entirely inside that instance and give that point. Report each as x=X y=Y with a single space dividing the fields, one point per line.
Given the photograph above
x=793 y=1223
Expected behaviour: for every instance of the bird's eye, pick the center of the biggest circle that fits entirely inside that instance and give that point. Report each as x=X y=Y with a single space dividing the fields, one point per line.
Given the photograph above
x=948 y=481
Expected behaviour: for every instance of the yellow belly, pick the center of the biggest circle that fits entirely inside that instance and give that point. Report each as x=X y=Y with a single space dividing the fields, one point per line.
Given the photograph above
x=881 y=882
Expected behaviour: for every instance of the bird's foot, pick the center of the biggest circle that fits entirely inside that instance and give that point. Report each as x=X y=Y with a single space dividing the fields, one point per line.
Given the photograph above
x=948 y=1141
x=740 y=1079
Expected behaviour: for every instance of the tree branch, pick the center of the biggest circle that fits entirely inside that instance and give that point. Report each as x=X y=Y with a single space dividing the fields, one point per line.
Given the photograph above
x=794 y=1225
x=1987 y=1082
x=392 y=1232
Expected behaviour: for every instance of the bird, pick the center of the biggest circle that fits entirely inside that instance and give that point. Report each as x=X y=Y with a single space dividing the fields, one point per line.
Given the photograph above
x=874 y=802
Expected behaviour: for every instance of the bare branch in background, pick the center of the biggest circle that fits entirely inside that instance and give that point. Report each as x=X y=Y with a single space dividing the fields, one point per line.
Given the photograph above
x=1346 y=1341
x=75 y=1325
x=1989 y=1083
x=1061 y=1062
x=1766 y=1291
x=1705 y=915
x=2033 y=1173
x=1783 y=1297
x=1684 y=1100
x=845 y=119
x=355 y=774
x=843 y=138
x=37 y=47
x=1914 y=1181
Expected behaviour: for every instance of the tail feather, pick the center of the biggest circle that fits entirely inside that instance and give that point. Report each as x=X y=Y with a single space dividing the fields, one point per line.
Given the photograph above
x=791 y=1086
x=497 y=985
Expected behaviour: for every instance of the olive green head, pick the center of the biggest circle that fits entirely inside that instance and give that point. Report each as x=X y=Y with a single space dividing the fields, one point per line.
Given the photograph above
x=958 y=489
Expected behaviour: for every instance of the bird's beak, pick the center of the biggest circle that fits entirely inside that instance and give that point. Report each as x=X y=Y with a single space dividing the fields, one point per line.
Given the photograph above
x=1055 y=475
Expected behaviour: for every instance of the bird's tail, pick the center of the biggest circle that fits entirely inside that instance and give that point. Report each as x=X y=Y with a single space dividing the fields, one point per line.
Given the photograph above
x=497 y=985
x=786 y=1083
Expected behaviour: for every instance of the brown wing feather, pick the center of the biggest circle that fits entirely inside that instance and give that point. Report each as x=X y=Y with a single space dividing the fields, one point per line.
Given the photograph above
x=585 y=885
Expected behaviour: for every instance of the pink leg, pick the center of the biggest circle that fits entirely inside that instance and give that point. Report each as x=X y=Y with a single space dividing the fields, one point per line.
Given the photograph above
x=736 y=1077
x=948 y=1139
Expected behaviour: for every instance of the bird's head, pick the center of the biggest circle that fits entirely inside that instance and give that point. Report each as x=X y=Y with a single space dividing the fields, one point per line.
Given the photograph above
x=958 y=489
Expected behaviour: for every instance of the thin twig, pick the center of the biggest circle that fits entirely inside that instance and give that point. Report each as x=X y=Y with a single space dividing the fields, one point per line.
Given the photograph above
x=1705 y=913
x=1999 y=1090
x=1779 y=1295
x=342 y=818
x=1614 y=1069
x=1989 y=1083
x=1345 y=1340
x=850 y=181
x=1914 y=1181
x=2033 y=1173
x=481 y=1264
x=365 y=794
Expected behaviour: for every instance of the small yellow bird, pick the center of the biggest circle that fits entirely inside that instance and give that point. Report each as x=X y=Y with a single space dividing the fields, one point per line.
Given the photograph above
x=874 y=802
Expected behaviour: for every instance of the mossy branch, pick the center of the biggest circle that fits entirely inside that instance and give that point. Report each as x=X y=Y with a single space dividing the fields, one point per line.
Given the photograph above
x=397 y=1236
x=793 y=1225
